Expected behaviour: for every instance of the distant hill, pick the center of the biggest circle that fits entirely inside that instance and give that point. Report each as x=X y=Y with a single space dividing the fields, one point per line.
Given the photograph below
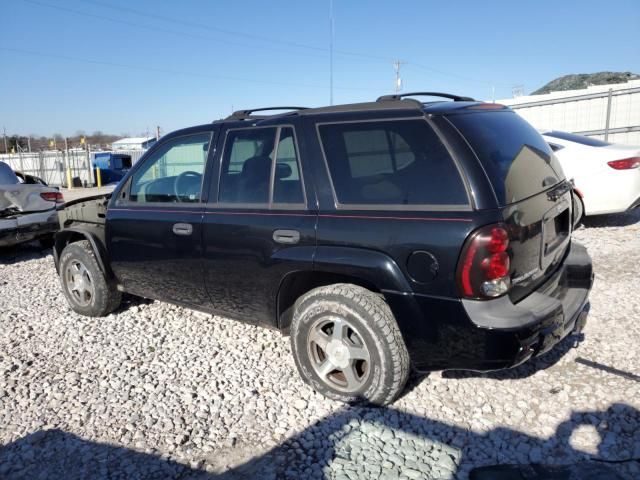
x=583 y=80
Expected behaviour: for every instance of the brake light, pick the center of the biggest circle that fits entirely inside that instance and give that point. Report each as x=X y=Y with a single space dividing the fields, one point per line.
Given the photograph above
x=52 y=197
x=483 y=271
x=625 y=163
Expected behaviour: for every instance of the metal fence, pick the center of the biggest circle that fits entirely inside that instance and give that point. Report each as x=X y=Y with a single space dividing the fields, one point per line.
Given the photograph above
x=51 y=166
x=608 y=112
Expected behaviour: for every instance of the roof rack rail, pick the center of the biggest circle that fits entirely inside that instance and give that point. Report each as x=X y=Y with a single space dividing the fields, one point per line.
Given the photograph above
x=246 y=114
x=400 y=96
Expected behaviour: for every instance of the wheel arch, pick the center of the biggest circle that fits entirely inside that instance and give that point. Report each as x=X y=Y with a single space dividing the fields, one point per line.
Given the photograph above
x=369 y=269
x=75 y=234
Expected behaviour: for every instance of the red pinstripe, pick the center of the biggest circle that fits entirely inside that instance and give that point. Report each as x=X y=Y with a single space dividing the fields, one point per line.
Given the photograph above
x=278 y=214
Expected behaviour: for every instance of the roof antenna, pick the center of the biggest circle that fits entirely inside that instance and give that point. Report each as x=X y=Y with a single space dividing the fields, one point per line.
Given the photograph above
x=330 y=52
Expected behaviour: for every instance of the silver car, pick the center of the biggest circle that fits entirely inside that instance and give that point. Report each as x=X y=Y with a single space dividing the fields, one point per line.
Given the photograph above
x=27 y=208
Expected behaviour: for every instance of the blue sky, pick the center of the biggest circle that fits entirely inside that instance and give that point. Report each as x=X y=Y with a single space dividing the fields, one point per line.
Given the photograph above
x=125 y=66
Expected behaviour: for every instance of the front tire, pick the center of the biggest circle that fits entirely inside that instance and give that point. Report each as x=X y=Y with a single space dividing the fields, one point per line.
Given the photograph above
x=347 y=345
x=84 y=284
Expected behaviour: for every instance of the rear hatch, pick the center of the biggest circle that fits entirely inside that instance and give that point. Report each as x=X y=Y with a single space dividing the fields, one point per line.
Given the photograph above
x=531 y=191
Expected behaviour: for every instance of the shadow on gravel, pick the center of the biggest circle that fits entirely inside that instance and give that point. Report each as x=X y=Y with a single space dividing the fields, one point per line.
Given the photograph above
x=356 y=443
x=22 y=253
x=528 y=368
x=612 y=220
x=608 y=369
x=129 y=301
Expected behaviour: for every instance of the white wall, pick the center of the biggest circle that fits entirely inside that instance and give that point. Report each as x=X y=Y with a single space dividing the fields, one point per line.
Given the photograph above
x=585 y=115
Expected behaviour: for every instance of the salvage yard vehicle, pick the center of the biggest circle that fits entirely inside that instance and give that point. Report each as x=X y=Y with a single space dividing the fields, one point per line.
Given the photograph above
x=27 y=208
x=606 y=175
x=379 y=235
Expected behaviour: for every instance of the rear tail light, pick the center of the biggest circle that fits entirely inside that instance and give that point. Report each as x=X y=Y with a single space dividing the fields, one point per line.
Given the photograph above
x=625 y=163
x=483 y=270
x=52 y=197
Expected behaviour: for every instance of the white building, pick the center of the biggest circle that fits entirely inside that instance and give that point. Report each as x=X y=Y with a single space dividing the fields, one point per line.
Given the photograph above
x=133 y=143
x=607 y=112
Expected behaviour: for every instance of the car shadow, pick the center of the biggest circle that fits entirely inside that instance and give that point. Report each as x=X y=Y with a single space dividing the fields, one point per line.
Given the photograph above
x=337 y=446
x=528 y=368
x=23 y=252
x=612 y=220
x=129 y=300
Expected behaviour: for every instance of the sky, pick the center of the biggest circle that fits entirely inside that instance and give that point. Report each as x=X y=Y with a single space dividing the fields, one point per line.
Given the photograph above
x=125 y=67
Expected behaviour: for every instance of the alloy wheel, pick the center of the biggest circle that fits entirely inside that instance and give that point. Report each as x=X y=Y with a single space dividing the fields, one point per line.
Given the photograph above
x=338 y=353
x=79 y=283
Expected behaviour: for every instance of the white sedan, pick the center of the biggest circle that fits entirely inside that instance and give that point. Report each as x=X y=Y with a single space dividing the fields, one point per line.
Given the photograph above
x=606 y=175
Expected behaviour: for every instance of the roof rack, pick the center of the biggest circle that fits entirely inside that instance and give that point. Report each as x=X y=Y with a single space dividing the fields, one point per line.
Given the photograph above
x=400 y=96
x=246 y=114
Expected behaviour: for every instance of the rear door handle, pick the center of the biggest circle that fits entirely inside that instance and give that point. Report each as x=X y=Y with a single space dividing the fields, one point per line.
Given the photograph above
x=184 y=229
x=287 y=237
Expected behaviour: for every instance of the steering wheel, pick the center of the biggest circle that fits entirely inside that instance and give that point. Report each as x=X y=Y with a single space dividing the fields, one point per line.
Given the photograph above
x=182 y=176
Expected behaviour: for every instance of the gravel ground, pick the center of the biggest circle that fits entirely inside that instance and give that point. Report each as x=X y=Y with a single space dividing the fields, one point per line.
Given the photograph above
x=157 y=391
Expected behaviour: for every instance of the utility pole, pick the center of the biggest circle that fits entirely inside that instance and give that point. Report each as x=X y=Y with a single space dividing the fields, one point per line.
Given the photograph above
x=517 y=91
x=330 y=52
x=396 y=66
x=4 y=132
x=29 y=143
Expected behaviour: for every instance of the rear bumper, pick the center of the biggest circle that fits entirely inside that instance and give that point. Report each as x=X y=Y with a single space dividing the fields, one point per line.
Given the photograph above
x=497 y=334
x=27 y=227
x=635 y=204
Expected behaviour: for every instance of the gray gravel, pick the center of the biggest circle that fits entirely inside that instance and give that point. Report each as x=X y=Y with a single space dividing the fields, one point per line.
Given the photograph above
x=157 y=391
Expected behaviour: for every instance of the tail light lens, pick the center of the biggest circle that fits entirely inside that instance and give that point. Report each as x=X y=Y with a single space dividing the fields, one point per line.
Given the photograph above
x=483 y=270
x=52 y=197
x=625 y=163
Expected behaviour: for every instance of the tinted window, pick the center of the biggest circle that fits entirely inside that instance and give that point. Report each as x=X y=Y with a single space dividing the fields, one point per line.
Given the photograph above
x=287 y=186
x=581 y=139
x=517 y=159
x=246 y=166
x=7 y=177
x=173 y=173
x=399 y=162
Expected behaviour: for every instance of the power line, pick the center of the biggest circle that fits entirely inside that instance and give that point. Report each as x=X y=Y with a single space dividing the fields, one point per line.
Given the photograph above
x=190 y=23
x=169 y=71
x=455 y=75
x=324 y=51
x=179 y=33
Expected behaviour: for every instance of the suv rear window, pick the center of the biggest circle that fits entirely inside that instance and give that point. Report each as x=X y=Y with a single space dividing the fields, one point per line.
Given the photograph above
x=398 y=162
x=518 y=161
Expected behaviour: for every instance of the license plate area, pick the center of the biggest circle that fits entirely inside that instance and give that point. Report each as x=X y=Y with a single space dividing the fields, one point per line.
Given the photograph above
x=556 y=232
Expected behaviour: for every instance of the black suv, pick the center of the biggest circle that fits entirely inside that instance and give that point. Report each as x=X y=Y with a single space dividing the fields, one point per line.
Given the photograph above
x=378 y=235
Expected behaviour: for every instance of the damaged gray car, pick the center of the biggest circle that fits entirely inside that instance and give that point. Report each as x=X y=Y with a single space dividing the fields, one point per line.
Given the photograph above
x=28 y=211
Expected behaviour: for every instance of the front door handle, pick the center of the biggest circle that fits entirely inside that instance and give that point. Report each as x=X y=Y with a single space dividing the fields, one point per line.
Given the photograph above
x=288 y=237
x=184 y=229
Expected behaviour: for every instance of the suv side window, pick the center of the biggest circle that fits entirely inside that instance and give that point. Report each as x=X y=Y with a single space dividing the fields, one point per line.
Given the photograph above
x=260 y=166
x=287 y=184
x=173 y=173
x=397 y=162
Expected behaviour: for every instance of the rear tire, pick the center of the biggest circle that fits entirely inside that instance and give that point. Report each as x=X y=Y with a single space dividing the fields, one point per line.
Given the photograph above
x=84 y=284
x=347 y=345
